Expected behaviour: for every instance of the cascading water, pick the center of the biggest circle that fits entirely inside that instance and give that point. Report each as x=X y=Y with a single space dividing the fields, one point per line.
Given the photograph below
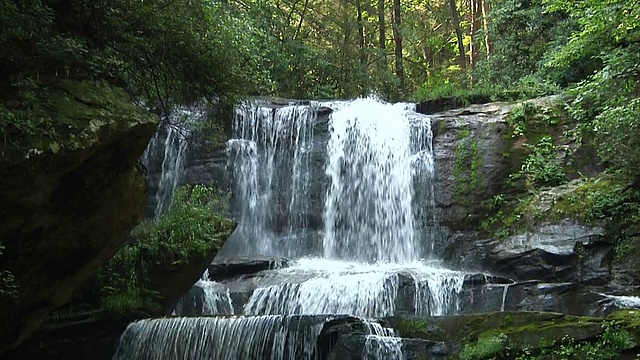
x=374 y=189
x=206 y=297
x=377 y=210
x=166 y=154
x=270 y=157
x=381 y=343
x=224 y=338
x=360 y=292
x=368 y=215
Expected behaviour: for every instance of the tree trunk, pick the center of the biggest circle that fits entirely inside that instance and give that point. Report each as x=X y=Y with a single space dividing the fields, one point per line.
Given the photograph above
x=475 y=26
x=425 y=50
x=362 y=44
x=397 y=36
x=382 y=51
x=456 y=22
x=485 y=23
x=302 y=15
x=382 y=38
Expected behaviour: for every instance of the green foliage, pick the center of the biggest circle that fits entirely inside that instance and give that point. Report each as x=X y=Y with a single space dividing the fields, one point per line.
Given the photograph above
x=58 y=114
x=532 y=86
x=182 y=50
x=542 y=167
x=194 y=227
x=487 y=347
x=526 y=33
x=519 y=116
x=606 y=346
x=609 y=200
x=606 y=101
x=617 y=132
x=452 y=90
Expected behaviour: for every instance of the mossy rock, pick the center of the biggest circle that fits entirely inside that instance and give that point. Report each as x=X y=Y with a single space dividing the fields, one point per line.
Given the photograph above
x=71 y=192
x=505 y=334
x=62 y=115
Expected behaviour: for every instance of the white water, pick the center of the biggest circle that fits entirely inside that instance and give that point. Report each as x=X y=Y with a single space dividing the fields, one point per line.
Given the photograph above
x=377 y=227
x=624 y=302
x=228 y=338
x=270 y=159
x=505 y=291
x=381 y=343
x=437 y=292
x=359 y=293
x=173 y=150
x=368 y=213
x=364 y=290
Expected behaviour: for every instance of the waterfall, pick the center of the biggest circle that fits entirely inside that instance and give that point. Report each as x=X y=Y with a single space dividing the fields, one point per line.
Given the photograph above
x=270 y=160
x=381 y=343
x=228 y=338
x=363 y=294
x=167 y=152
x=368 y=214
x=377 y=207
x=351 y=203
x=504 y=296
x=437 y=293
x=423 y=171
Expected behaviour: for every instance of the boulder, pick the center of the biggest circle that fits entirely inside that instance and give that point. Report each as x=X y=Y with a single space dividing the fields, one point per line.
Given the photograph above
x=67 y=209
x=229 y=268
x=470 y=163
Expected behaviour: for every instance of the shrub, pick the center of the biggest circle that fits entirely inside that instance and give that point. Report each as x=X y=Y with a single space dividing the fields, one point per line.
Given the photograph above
x=195 y=226
x=541 y=167
x=486 y=348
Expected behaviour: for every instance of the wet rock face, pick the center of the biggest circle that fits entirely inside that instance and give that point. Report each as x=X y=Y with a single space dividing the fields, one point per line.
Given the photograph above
x=470 y=162
x=560 y=251
x=229 y=268
x=64 y=213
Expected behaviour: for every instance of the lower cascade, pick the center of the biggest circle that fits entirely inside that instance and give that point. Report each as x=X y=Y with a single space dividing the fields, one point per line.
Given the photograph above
x=360 y=245
x=260 y=337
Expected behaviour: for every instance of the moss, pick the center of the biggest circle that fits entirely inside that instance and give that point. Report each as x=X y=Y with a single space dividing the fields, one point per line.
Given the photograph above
x=441 y=128
x=507 y=334
x=488 y=347
x=64 y=115
x=460 y=165
x=475 y=163
x=467 y=167
x=606 y=200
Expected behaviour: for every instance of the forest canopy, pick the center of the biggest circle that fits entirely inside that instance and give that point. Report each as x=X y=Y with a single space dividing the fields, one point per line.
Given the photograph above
x=170 y=51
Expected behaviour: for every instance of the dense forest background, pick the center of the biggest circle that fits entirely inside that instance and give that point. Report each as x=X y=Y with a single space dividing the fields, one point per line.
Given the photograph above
x=170 y=52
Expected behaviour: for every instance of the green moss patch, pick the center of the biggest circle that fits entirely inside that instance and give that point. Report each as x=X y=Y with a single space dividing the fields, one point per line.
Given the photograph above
x=527 y=335
x=63 y=115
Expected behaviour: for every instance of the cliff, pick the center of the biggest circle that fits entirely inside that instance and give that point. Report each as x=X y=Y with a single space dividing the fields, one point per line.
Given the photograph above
x=69 y=196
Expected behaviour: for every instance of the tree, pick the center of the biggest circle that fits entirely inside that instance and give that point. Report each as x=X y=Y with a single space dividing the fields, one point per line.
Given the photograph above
x=523 y=33
x=485 y=25
x=397 y=37
x=455 y=16
x=475 y=26
x=606 y=99
x=185 y=50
